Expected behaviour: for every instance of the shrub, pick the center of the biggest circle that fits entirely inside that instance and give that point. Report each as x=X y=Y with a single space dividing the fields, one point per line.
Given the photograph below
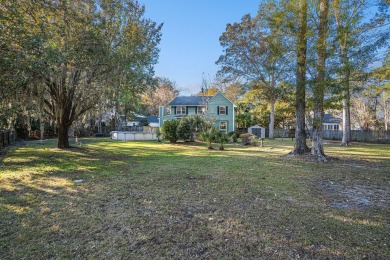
x=158 y=134
x=209 y=136
x=184 y=129
x=169 y=130
x=247 y=138
x=222 y=138
x=234 y=135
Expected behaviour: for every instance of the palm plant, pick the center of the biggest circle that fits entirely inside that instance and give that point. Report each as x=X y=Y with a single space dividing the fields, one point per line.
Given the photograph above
x=222 y=138
x=209 y=136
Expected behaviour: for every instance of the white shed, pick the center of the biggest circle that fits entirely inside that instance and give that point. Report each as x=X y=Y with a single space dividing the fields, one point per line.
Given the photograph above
x=257 y=131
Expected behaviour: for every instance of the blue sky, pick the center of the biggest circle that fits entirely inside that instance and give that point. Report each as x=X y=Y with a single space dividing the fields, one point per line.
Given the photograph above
x=190 y=36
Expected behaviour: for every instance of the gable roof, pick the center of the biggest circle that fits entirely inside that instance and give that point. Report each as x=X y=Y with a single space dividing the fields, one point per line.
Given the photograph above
x=329 y=118
x=190 y=101
x=219 y=93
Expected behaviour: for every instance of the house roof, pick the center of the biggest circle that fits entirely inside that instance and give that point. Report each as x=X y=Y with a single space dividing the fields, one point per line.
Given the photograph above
x=190 y=101
x=150 y=119
x=219 y=93
x=329 y=118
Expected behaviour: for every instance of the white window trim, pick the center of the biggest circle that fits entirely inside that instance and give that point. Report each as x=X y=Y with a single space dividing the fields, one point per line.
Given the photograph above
x=226 y=126
x=224 y=110
x=181 y=110
x=201 y=110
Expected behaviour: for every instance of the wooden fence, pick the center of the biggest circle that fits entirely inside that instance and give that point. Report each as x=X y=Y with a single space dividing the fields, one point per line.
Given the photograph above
x=7 y=137
x=366 y=136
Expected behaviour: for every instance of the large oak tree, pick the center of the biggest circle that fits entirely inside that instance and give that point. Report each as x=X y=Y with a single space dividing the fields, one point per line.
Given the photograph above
x=76 y=53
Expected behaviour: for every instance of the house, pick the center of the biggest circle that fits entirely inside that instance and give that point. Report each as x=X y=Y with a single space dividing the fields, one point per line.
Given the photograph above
x=153 y=121
x=217 y=107
x=329 y=122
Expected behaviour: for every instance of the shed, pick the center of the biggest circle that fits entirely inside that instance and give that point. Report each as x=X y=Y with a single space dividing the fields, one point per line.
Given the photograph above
x=257 y=131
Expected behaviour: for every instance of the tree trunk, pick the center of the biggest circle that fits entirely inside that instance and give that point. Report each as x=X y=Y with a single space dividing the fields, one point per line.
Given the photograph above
x=29 y=125
x=300 y=146
x=272 y=120
x=42 y=128
x=63 y=140
x=346 y=139
x=386 y=114
x=317 y=149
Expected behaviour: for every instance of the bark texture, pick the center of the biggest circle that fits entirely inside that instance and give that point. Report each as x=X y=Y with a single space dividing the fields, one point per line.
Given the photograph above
x=317 y=149
x=346 y=139
x=272 y=120
x=300 y=146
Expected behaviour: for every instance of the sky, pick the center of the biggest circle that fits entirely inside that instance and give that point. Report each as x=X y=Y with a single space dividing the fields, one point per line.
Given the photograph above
x=190 y=45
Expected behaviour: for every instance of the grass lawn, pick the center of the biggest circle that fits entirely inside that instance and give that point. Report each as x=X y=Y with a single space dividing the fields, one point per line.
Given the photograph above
x=156 y=200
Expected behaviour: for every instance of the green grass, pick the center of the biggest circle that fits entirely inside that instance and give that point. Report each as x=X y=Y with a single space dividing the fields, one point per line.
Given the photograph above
x=156 y=200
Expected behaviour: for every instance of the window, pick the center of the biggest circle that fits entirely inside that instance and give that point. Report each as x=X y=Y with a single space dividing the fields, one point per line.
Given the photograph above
x=201 y=110
x=181 y=110
x=223 y=126
x=168 y=111
x=336 y=127
x=222 y=110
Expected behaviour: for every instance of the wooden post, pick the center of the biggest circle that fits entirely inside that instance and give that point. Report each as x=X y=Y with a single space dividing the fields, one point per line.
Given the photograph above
x=261 y=142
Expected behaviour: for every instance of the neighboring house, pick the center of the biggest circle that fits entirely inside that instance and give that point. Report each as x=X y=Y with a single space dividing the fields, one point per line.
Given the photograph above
x=217 y=107
x=329 y=122
x=152 y=120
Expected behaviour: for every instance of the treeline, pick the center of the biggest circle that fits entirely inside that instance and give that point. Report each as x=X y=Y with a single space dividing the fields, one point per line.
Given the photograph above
x=313 y=56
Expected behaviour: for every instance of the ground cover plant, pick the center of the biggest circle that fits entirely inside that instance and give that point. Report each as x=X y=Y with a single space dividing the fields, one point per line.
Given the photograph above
x=112 y=199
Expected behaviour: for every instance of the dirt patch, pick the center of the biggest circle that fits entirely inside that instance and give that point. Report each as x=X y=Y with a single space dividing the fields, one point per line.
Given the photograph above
x=355 y=196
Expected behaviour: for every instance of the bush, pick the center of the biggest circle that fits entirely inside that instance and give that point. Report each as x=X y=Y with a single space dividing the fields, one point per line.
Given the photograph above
x=247 y=138
x=158 y=134
x=209 y=136
x=222 y=138
x=169 y=130
x=234 y=135
x=184 y=130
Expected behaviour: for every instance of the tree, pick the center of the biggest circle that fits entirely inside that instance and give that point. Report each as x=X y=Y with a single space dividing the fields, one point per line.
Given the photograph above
x=356 y=41
x=254 y=108
x=300 y=146
x=258 y=50
x=79 y=51
x=161 y=94
x=232 y=90
x=381 y=78
x=243 y=116
x=317 y=149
